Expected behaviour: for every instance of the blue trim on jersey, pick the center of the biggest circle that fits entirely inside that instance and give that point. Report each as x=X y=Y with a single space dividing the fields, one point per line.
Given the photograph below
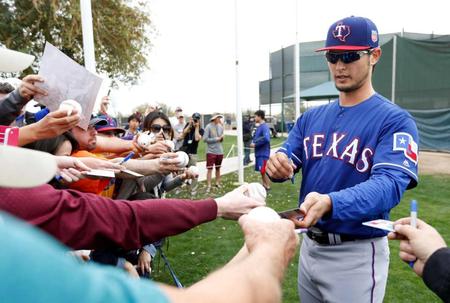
x=351 y=154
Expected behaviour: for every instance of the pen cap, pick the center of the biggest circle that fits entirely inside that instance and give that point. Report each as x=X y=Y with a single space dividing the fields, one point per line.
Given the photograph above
x=414 y=205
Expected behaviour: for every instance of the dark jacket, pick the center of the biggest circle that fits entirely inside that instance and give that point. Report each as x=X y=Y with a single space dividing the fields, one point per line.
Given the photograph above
x=436 y=273
x=10 y=107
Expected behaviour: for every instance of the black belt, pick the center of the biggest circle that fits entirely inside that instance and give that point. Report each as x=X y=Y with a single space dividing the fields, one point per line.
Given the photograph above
x=325 y=238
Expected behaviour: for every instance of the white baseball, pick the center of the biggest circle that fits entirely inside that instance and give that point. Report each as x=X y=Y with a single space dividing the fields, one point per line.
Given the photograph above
x=183 y=158
x=145 y=139
x=256 y=191
x=170 y=144
x=264 y=214
x=194 y=170
x=69 y=106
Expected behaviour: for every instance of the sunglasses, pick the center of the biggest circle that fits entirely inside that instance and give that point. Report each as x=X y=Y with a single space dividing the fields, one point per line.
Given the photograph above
x=156 y=128
x=346 y=57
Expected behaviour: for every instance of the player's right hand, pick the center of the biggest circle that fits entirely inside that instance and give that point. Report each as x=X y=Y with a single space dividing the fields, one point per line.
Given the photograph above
x=280 y=167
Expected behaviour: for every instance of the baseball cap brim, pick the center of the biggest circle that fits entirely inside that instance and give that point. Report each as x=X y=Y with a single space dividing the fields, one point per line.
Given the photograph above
x=215 y=117
x=12 y=61
x=114 y=129
x=97 y=121
x=343 y=48
x=24 y=168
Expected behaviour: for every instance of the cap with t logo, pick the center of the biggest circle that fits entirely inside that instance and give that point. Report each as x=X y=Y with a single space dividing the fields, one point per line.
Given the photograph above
x=351 y=34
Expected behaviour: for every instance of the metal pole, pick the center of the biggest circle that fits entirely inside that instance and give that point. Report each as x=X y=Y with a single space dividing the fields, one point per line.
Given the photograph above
x=394 y=67
x=238 y=101
x=282 y=89
x=88 y=35
x=297 y=66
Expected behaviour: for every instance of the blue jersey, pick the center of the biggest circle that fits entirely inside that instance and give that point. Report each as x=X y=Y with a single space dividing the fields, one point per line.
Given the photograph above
x=262 y=141
x=363 y=156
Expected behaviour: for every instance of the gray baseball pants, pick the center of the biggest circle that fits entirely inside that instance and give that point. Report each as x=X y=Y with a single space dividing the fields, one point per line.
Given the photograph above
x=353 y=271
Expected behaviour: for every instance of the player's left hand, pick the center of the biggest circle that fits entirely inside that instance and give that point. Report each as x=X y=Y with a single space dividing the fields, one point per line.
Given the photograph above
x=314 y=207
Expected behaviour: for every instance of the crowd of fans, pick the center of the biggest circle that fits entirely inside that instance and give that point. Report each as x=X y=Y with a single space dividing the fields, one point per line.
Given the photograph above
x=101 y=190
x=118 y=219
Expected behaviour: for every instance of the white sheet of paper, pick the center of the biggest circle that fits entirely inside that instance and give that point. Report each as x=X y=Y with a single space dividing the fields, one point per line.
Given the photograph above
x=380 y=224
x=103 y=173
x=66 y=79
x=132 y=173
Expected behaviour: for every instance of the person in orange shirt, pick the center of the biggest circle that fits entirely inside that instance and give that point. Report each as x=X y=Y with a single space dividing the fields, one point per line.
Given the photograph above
x=87 y=140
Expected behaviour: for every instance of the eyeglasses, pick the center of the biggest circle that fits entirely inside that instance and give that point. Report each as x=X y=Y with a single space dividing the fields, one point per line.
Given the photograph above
x=156 y=128
x=346 y=57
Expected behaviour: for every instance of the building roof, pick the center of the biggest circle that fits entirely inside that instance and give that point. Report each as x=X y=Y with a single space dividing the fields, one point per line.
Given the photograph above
x=326 y=90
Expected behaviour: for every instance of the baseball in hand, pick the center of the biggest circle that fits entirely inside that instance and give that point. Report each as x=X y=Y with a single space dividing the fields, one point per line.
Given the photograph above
x=170 y=144
x=256 y=191
x=264 y=214
x=183 y=158
x=145 y=139
x=194 y=170
x=69 y=106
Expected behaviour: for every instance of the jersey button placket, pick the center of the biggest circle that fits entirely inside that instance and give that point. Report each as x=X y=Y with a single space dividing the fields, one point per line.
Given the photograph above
x=340 y=115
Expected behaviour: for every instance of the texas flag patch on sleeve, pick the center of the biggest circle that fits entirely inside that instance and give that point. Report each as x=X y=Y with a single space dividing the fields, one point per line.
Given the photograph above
x=405 y=142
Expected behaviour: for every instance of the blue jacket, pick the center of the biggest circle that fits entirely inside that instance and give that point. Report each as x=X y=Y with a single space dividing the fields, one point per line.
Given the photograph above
x=364 y=157
x=261 y=139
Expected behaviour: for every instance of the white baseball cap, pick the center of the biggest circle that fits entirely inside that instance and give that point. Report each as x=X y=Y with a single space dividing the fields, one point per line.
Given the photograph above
x=12 y=61
x=23 y=167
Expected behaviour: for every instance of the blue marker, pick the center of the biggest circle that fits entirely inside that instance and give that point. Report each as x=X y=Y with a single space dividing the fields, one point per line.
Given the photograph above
x=414 y=207
x=128 y=157
x=289 y=154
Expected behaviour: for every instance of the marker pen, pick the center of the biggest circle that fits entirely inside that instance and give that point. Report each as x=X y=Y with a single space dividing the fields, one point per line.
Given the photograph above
x=289 y=154
x=128 y=157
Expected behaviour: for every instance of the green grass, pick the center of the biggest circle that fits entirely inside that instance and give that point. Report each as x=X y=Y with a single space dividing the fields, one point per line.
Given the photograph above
x=228 y=142
x=207 y=247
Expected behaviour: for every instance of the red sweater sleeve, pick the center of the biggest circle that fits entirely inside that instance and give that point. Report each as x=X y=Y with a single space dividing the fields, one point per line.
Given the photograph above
x=87 y=221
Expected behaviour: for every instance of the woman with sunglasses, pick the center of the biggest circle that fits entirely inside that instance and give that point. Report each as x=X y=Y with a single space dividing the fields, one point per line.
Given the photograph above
x=156 y=185
x=151 y=186
x=358 y=155
x=159 y=124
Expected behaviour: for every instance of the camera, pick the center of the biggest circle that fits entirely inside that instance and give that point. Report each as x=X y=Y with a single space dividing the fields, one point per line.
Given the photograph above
x=195 y=120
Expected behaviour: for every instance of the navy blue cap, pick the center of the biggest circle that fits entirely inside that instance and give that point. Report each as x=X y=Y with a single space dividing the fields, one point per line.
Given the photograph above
x=351 y=34
x=110 y=125
x=97 y=121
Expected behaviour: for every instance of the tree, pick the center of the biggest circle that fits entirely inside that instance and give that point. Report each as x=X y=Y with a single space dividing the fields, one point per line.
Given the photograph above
x=166 y=109
x=120 y=32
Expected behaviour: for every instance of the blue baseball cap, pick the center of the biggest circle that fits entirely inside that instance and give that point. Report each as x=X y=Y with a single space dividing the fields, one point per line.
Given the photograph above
x=110 y=125
x=351 y=34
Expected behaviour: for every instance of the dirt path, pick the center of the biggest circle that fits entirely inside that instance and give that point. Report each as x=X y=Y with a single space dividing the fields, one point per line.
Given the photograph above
x=431 y=163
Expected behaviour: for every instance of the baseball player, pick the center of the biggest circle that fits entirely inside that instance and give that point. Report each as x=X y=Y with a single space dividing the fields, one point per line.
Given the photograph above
x=357 y=155
x=261 y=144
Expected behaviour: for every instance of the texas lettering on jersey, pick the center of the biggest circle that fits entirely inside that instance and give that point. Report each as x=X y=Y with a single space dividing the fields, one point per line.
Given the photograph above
x=352 y=152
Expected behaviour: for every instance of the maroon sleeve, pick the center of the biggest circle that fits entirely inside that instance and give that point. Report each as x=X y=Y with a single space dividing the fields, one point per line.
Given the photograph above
x=87 y=221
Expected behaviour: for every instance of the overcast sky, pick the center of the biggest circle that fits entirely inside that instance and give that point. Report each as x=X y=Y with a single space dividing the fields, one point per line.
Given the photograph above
x=192 y=60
